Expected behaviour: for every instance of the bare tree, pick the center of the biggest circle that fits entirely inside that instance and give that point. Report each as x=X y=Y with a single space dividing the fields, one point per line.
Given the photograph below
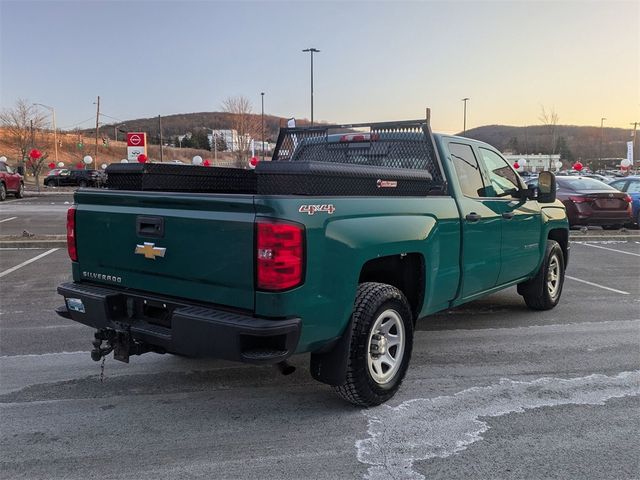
x=20 y=123
x=244 y=122
x=550 y=121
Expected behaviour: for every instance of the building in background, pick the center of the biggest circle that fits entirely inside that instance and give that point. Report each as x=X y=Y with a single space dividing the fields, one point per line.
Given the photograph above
x=535 y=162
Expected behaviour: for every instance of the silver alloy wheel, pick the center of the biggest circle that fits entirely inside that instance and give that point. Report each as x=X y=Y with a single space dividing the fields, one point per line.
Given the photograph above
x=553 y=277
x=385 y=347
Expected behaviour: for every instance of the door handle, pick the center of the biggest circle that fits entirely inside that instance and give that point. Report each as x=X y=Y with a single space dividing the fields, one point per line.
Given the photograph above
x=473 y=217
x=508 y=215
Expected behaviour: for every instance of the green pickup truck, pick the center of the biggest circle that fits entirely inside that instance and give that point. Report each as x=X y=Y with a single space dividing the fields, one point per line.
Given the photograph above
x=335 y=247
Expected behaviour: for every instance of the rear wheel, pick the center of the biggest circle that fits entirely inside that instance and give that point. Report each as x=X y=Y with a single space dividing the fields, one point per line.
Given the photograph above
x=381 y=344
x=20 y=192
x=543 y=291
x=3 y=192
x=83 y=183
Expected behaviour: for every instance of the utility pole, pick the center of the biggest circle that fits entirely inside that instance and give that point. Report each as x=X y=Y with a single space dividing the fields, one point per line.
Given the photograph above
x=464 y=124
x=311 y=51
x=160 y=127
x=95 y=158
x=262 y=98
x=601 y=137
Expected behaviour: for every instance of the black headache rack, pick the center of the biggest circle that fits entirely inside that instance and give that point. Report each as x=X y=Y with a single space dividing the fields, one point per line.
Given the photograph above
x=369 y=159
x=366 y=159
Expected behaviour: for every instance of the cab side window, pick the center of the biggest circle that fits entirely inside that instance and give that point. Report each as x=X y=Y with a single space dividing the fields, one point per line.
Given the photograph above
x=3 y=167
x=503 y=180
x=467 y=169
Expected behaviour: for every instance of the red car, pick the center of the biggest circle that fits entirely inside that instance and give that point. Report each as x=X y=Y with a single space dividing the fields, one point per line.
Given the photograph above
x=10 y=182
x=592 y=202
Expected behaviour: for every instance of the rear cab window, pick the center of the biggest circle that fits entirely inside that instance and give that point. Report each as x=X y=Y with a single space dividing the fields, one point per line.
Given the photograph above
x=467 y=169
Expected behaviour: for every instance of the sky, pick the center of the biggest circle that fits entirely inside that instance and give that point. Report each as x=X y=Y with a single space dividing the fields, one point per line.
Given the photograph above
x=379 y=61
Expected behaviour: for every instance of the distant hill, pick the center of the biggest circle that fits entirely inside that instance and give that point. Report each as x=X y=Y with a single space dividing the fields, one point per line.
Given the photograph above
x=182 y=123
x=580 y=142
x=573 y=142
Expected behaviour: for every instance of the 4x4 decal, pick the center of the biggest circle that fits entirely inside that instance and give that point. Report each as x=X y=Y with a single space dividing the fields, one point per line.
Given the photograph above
x=313 y=209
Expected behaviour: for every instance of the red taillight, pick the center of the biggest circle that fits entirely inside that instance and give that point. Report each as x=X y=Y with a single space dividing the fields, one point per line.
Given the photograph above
x=579 y=199
x=628 y=199
x=280 y=255
x=71 y=234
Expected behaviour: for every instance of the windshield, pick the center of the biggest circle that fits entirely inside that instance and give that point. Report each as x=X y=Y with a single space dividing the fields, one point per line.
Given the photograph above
x=582 y=183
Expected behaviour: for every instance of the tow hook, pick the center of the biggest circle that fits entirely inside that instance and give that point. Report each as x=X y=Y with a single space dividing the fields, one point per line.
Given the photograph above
x=120 y=343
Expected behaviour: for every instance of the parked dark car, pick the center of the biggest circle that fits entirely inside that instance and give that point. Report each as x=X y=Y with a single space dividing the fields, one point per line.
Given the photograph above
x=74 y=178
x=631 y=186
x=10 y=182
x=592 y=202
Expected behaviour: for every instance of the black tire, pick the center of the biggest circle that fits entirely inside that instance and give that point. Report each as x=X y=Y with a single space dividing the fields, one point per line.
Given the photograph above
x=82 y=184
x=612 y=227
x=543 y=291
x=377 y=305
x=20 y=192
x=3 y=192
x=49 y=183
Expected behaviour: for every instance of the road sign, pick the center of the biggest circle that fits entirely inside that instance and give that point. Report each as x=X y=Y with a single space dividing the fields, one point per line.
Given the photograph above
x=136 y=139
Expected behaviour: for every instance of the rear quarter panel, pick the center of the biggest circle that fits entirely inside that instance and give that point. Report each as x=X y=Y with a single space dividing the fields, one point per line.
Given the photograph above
x=339 y=244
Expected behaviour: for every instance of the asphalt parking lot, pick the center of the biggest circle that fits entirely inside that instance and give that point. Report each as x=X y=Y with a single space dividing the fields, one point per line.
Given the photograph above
x=494 y=390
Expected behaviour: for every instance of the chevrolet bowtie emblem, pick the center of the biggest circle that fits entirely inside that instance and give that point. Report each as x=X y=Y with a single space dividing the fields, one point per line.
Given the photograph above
x=149 y=250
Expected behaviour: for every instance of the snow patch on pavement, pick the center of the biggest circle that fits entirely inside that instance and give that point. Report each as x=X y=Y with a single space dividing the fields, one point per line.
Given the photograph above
x=426 y=428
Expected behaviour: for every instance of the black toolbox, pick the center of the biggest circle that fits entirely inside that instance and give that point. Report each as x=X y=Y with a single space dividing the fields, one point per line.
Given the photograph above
x=174 y=177
x=328 y=178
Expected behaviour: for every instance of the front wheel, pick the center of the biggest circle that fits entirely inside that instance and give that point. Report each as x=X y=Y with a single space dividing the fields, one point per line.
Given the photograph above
x=543 y=291
x=3 y=192
x=381 y=344
x=20 y=192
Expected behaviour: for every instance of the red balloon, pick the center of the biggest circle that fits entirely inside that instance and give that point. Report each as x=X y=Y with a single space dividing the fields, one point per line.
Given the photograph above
x=253 y=161
x=35 y=154
x=52 y=165
x=79 y=165
x=142 y=158
x=206 y=163
x=577 y=166
x=516 y=165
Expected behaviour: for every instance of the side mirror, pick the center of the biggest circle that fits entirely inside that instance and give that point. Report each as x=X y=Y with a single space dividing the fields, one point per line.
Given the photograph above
x=546 y=187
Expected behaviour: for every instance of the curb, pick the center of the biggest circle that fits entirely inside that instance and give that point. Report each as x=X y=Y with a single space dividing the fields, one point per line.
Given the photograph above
x=33 y=244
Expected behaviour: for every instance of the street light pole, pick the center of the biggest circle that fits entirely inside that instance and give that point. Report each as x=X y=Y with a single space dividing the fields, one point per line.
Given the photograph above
x=311 y=51
x=464 y=124
x=262 y=98
x=601 y=136
x=55 y=134
x=95 y=159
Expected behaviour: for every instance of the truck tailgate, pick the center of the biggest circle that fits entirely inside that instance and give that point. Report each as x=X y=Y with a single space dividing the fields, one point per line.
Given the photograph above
x=208 y=242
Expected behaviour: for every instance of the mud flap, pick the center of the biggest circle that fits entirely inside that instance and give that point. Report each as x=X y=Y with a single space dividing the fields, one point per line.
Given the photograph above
x=330 y=367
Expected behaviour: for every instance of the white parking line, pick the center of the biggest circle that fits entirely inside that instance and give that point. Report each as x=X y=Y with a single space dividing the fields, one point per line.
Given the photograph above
x=34 y=259
x=610 y=249
x=7 y=219
x=596 y=285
